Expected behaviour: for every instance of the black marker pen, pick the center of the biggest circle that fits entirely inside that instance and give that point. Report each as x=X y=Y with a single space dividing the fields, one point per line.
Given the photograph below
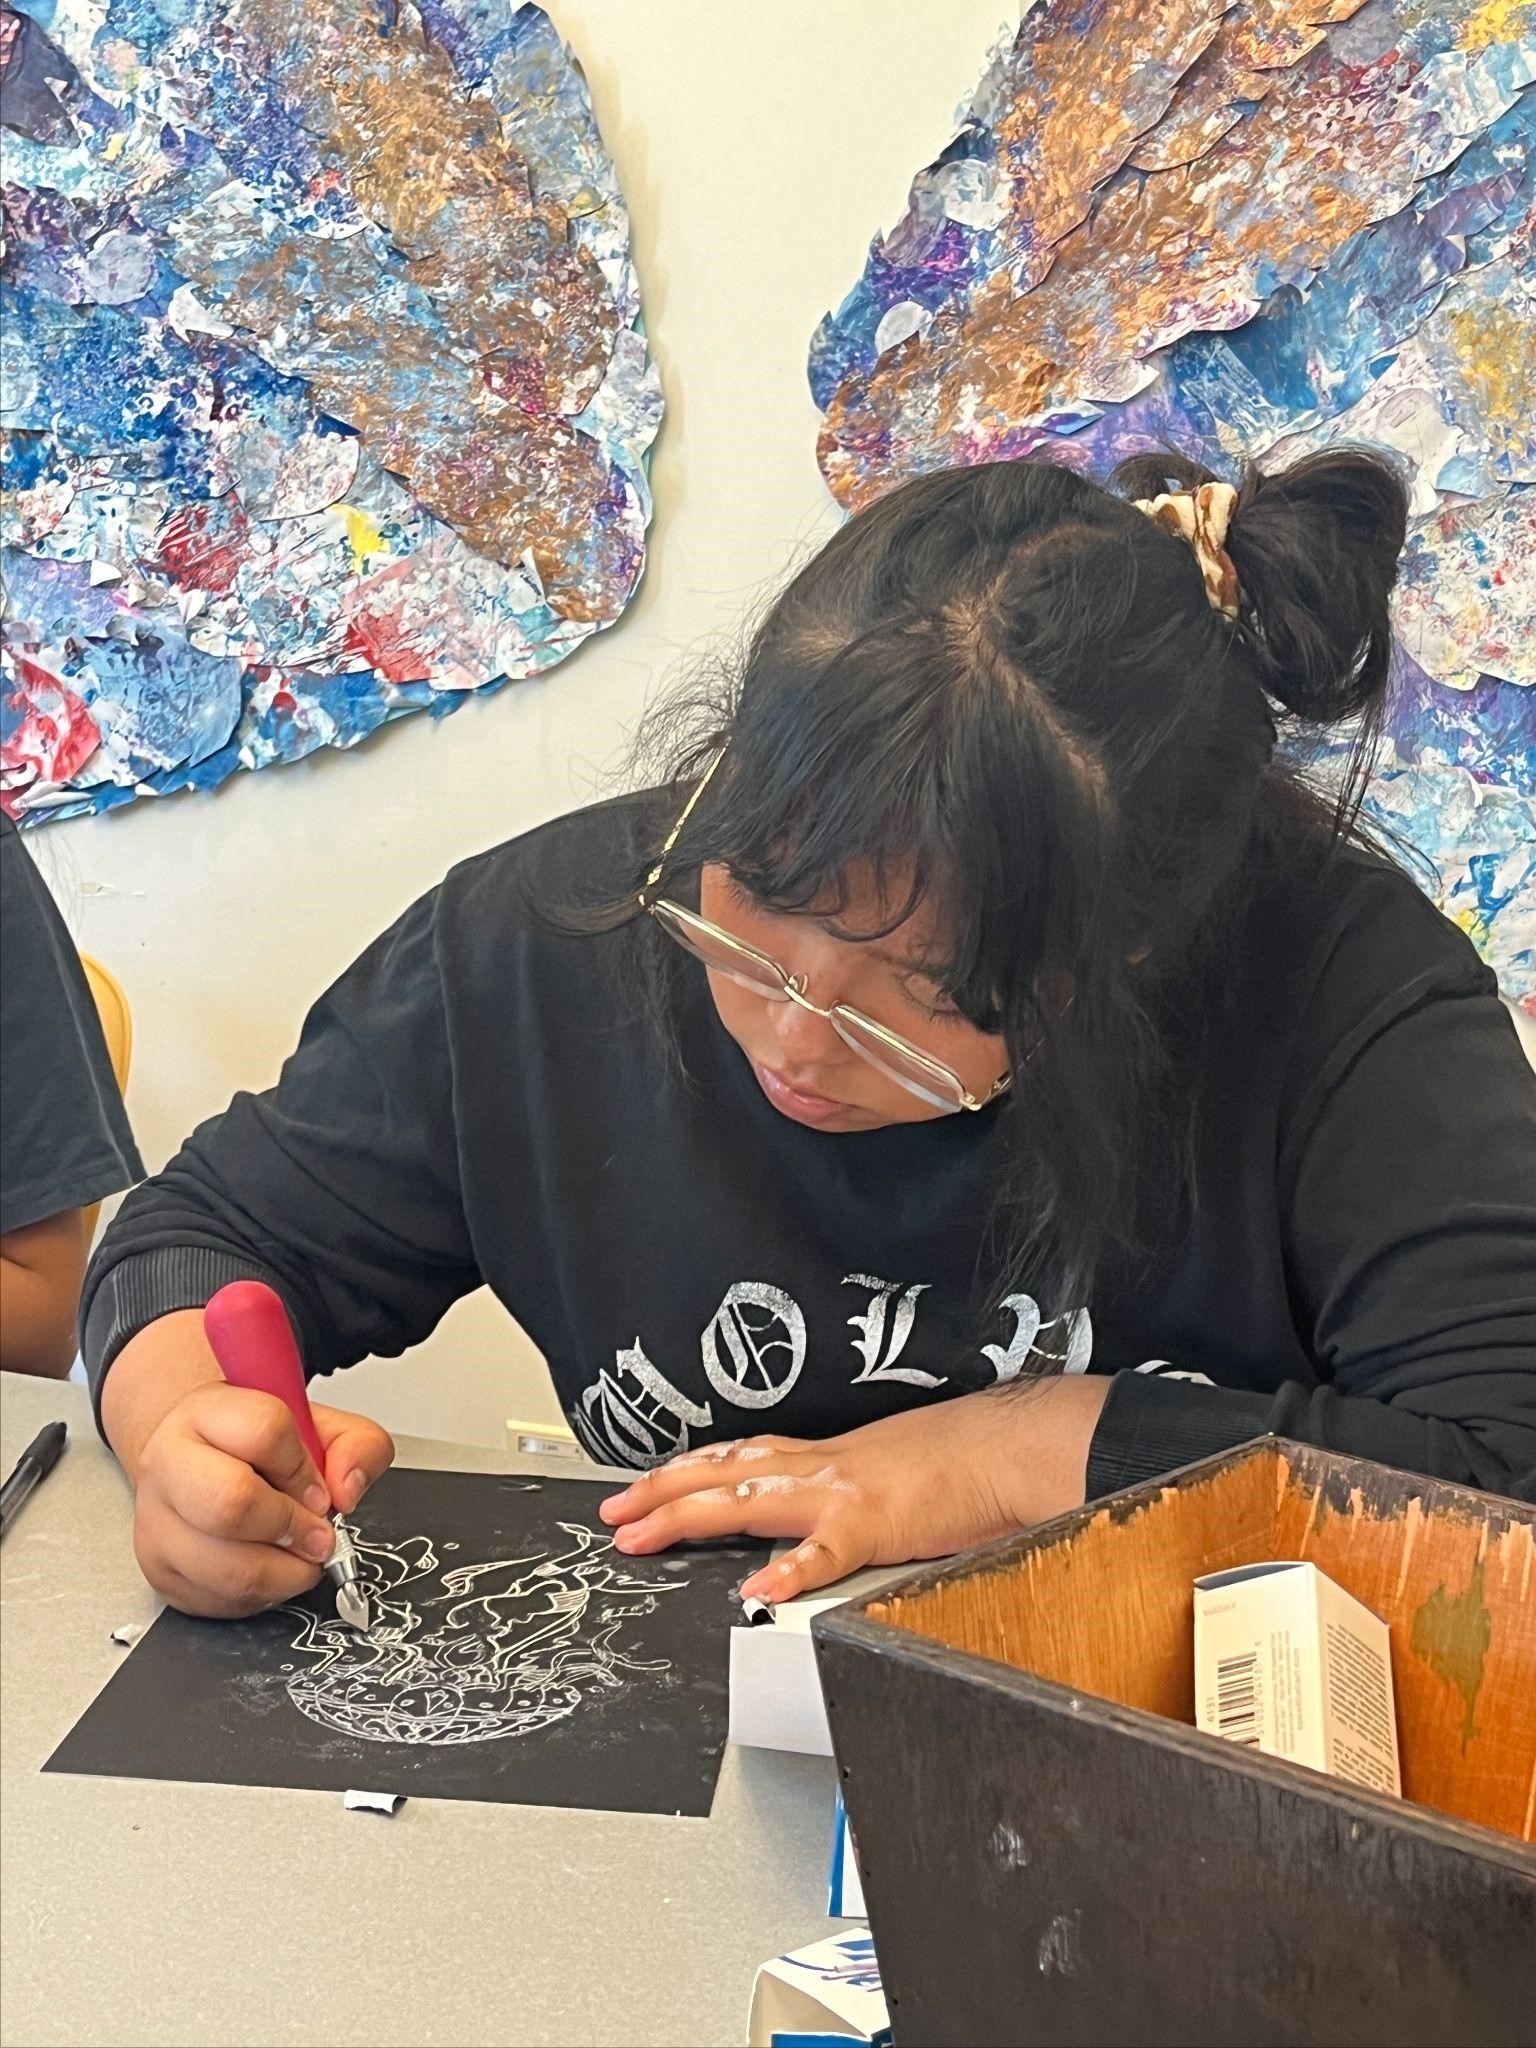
x=32 y=1467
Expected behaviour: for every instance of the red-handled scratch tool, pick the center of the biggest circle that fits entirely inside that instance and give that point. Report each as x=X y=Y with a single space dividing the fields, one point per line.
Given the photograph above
x=248 y=1328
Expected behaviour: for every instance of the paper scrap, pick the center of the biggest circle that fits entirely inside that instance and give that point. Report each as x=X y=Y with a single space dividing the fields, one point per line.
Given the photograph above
x=373 y=1802
x=128 y=1635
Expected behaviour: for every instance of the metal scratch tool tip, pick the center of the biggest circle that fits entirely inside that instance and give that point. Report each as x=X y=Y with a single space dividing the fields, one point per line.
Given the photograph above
x=351 y=1600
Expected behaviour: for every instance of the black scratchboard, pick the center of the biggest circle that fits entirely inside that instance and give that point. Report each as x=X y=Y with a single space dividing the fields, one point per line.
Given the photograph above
x=561 y=1673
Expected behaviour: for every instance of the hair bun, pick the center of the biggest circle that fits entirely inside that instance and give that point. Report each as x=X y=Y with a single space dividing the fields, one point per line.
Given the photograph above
x=1316 y=551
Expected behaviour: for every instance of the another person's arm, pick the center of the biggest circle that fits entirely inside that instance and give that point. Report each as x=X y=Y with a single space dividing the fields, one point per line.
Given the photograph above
x=64 y=1136
x=41 y=1267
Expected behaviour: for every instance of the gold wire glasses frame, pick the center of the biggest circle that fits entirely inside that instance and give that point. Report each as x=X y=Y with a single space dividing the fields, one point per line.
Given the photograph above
x=906 y=1064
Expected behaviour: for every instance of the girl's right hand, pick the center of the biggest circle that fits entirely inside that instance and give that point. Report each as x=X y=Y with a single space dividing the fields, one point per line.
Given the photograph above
x=229 y=1511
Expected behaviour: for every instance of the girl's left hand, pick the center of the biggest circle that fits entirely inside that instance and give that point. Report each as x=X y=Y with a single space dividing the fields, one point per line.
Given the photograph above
x=921 y=1484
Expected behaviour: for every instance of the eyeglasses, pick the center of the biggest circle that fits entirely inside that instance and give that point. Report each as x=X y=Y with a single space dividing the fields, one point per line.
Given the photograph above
x=900 y=1061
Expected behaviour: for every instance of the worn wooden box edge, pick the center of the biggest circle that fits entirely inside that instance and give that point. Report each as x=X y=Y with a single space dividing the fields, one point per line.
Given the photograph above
x=853 y=1625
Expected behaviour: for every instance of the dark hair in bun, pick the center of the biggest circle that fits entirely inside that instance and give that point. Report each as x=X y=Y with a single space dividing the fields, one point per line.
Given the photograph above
x=1316 y=550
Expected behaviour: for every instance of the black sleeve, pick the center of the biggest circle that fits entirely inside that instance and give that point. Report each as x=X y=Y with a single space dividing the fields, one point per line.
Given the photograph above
x=1410 y=1188
x=340 y=1186
x=64 y=1136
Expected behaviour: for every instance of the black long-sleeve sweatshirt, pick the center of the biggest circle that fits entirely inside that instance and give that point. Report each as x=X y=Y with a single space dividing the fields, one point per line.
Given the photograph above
x=479 y=1099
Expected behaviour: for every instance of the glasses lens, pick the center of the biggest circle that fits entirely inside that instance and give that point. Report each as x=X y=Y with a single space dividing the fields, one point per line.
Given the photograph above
x=718 y=950
x=923 y=1077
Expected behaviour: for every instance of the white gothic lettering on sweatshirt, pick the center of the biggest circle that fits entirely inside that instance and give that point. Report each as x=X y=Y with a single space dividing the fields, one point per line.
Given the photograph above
x=753 y=1350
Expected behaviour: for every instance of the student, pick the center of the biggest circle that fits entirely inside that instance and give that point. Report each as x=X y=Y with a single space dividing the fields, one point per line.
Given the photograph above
x=64 y=1136
x=980 y=1025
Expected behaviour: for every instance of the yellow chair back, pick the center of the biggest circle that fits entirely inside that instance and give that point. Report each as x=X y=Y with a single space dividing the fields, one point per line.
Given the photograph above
x=117 y=1028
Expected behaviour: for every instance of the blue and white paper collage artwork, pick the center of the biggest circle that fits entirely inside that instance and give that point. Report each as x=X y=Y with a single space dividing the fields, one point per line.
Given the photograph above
x=326 y=393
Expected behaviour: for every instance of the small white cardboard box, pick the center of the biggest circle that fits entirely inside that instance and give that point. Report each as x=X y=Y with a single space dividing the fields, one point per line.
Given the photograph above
x=1289 y=1663
x=775 y=1692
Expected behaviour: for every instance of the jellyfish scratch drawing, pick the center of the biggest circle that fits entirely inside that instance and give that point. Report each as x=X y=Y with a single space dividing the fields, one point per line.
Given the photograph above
x=516 y=1656
x=504 y=1648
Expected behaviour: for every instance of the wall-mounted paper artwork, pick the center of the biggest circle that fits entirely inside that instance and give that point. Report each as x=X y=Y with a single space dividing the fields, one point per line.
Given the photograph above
x=1252 y=228
x=326 y=389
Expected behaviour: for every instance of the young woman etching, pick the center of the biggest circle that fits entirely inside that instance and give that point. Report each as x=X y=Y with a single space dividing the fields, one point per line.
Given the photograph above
x=980 y=1020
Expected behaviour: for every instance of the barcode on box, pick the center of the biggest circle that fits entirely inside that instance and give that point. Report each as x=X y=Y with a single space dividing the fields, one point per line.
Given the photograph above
x=1237 y=1698
x=1289 y=1664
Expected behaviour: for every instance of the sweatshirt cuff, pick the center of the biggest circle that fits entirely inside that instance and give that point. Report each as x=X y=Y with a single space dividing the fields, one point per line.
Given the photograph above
x=1150 y=1426
x=147 y=1285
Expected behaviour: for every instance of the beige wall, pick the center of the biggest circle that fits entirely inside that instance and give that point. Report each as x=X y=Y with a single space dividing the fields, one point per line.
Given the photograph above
x=760 y=147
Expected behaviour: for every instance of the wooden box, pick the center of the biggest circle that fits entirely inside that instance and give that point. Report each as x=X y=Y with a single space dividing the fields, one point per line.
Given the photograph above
x=1052 y=1853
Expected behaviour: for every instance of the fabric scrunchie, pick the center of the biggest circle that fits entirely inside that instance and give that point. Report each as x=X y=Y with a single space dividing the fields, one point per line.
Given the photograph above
x=1201 y=517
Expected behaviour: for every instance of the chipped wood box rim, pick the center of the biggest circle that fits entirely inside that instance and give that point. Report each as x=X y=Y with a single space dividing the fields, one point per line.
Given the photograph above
x=1465 y=1547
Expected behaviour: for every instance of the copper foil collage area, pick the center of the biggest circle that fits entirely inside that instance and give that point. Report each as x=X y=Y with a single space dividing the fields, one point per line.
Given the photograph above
x=1251 y=232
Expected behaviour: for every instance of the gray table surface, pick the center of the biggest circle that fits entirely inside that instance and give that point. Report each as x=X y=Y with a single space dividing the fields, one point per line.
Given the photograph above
x=139 y=1913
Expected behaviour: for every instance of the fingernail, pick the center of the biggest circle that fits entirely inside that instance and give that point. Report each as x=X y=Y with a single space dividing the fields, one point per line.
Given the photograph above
x=625 y=1540
x=316 y=1499
x=354 y=1486
x=318 y=1544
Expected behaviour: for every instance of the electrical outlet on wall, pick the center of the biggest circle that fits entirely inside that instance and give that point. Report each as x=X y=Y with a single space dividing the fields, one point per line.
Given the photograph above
x=542 y=1440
